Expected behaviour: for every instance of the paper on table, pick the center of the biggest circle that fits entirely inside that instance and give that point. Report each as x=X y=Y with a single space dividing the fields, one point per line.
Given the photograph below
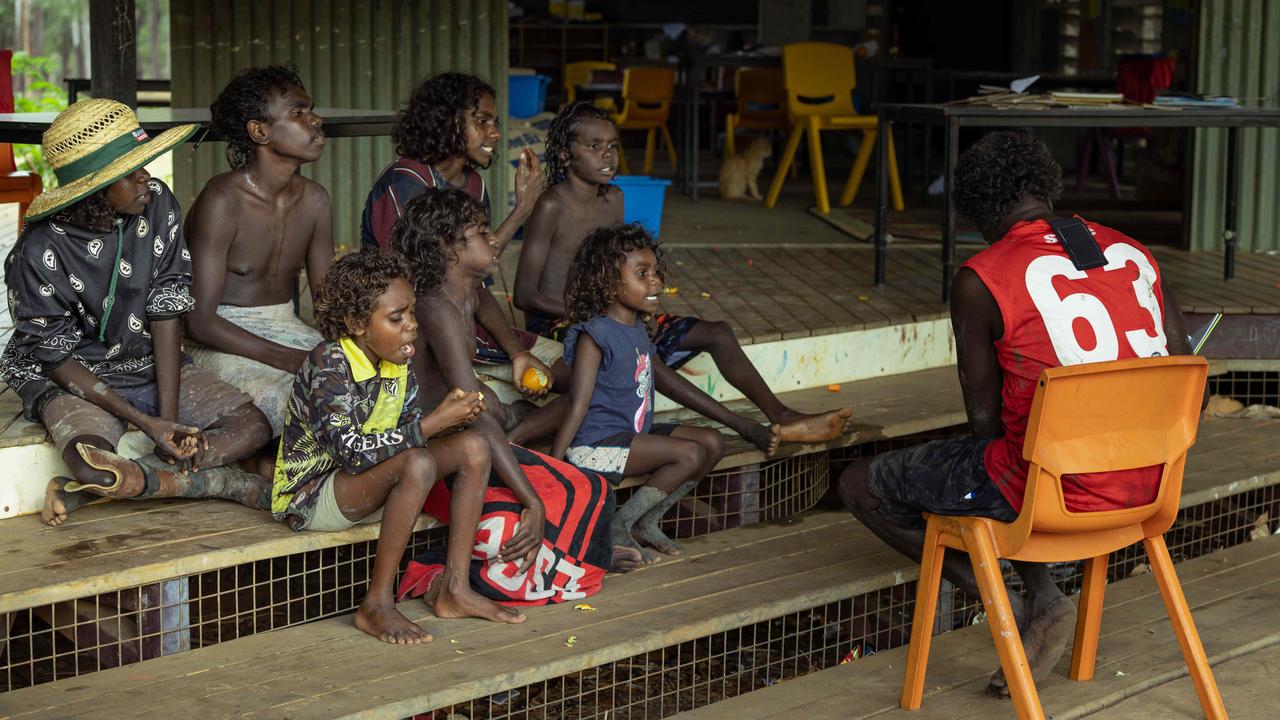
x=1022 y=84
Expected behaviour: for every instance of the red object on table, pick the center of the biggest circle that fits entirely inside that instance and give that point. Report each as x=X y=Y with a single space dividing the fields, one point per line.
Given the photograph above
x=15 y=186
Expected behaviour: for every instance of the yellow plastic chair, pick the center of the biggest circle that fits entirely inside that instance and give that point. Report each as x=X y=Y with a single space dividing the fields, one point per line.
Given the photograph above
x=819 y=80
x=579 y=73
x=646 y=105
x=1094 y=417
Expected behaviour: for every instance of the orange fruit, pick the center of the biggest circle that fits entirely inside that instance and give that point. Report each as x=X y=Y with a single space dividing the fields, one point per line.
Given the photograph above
x=534 y=379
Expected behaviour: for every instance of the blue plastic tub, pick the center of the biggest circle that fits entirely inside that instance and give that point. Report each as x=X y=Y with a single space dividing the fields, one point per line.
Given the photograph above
x=526 y=95
x=642 y=200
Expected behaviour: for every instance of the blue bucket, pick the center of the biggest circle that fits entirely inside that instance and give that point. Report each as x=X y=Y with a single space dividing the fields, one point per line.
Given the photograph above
x=642 y=200
x=526 y=95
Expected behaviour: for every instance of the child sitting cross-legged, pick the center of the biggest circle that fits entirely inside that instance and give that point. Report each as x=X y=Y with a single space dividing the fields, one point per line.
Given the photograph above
x=615 y=281
x=582 y=155
x=354 y=448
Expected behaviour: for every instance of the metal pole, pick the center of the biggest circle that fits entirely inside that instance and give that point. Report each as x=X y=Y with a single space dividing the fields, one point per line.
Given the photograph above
x=882 y=194
x=1233 y=193
x=949 y=205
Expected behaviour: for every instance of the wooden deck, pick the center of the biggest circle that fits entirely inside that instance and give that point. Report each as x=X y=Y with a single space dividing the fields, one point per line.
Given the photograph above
x=769 y=293
x=1234 y=596
x=729 y=579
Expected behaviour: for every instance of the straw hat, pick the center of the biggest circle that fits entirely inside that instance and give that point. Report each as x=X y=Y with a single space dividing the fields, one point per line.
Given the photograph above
x=92 y=144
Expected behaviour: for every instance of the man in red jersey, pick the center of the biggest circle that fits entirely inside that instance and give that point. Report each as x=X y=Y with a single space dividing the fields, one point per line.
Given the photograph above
x=1019 y=306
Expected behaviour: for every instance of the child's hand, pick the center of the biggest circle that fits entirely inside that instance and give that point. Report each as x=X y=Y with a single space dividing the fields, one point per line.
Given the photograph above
x=520 y=364
x=522 y=548
x=174 y=442
x=529 y=179
x=457 y=410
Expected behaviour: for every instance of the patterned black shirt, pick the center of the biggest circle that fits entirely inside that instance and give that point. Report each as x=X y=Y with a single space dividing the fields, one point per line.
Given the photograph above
x=80 y=294
x=343 y=414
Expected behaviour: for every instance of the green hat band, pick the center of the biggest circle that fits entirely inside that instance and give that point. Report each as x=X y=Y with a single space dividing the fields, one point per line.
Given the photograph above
x=102 y=157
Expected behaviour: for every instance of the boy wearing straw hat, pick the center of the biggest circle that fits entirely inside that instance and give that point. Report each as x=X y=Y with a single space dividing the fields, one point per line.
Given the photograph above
x=251 y=231
x=97 y=285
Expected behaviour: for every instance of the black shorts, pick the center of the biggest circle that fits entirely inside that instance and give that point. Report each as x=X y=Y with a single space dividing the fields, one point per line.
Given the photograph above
x=945 y=477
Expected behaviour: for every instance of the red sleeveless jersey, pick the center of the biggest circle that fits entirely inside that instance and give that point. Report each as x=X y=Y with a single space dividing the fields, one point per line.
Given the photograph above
x=1057 y=315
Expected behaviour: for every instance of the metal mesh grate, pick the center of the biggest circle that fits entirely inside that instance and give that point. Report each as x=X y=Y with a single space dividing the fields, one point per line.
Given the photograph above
x=748 y=495
x=1251 y=387
x=94 y=633
x=720 y=666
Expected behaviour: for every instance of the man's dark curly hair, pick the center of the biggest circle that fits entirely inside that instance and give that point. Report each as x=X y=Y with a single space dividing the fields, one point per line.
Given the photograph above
x=352 y=287
x=1001 y=169
x=430 y=233
x=92 y=212
x=248 y=97
x=433 y=125
x=596 y=272
x=560 y=138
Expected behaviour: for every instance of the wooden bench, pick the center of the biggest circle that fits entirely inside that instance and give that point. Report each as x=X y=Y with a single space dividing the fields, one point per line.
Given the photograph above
x=115 y=545
x=729 y=580
x=1233 y=594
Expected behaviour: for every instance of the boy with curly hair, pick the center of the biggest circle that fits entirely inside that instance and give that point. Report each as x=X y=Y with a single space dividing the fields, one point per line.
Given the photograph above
x=252 y=230
x=444 y=237
x=448 y=130
x=354 y=448
x=582 y=155
x=1010 y=324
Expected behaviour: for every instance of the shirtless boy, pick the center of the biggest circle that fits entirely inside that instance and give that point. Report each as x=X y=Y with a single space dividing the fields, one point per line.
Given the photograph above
x=582 y=156
x=444 y=237
x=251 y=231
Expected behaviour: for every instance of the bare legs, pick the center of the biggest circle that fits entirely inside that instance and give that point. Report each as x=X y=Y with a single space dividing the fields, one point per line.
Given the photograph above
x=1045 y=616
x=717 y=339
x=465 y=454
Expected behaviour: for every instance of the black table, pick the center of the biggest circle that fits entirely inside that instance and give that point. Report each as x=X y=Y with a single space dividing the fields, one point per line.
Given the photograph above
x=694 y=67
x=954 y=117
x=338 y=122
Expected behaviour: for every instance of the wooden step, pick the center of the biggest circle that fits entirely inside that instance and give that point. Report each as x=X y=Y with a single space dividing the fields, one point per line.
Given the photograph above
x=115 y=545
x=330 y=669
x=729 y=580
x=1234 y=596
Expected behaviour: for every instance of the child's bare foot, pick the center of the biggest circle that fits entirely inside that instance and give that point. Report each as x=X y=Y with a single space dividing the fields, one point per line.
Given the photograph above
x=58 y=503
x=1044 y=640
x=653 y=536
x=626 y=559
x=765 y=437
x=384 y=621
x=803 y=427
x=460 y=601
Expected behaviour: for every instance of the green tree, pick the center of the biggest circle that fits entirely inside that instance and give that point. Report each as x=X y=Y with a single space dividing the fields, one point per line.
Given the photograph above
x=41 y=95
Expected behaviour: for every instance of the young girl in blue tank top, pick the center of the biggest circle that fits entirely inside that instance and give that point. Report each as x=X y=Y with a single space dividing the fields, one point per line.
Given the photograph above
x=615 y=281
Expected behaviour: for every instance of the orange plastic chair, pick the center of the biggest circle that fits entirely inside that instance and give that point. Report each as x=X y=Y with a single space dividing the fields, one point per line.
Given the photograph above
x=761 y=104
x=1085 y=418
x=819 y=79
x=646 y=105
x=15 y=186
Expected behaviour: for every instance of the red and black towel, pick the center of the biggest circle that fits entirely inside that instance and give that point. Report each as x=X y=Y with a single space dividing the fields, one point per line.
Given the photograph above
x=576 y=549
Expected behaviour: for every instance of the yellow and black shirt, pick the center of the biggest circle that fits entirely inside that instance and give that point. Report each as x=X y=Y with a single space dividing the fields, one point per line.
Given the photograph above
x=343 y=414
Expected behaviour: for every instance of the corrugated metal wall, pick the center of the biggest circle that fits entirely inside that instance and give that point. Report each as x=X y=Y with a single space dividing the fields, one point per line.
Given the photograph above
x=1239 y=55
x=350 y=54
